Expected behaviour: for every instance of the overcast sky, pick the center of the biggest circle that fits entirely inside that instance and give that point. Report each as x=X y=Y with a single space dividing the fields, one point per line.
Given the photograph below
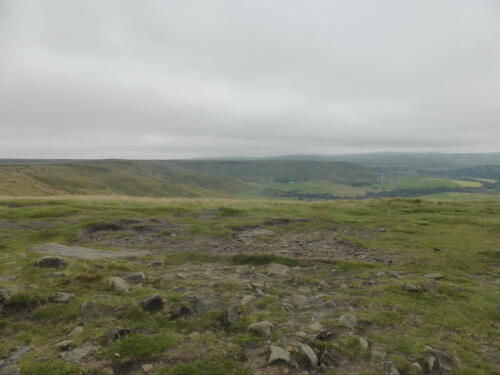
x=206 y=78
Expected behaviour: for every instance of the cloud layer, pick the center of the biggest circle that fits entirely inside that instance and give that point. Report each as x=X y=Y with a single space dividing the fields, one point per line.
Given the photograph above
x=173 y=79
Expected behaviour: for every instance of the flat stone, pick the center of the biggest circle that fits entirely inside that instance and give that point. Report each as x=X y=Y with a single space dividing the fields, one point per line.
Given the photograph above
x=16 y=355
x=62 y=297
x=91 y=310
x=86 y=253
x=52 y=262
x=279 y=355
x=119 y=284
x=79 y=353
x=309 y=355
x=262 y=328
x=348 y=320
x=152 y=304
x=277 y=269
x=247 y=299
x=363 y=343
x=64 y=345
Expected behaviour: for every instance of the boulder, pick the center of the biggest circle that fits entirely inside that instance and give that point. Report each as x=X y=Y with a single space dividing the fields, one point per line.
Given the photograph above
x=279 y=355
x=348 y=320
x=119 y=284
x=61 y=297
x=114 y=334
x=152 y=304
x=91 y=310
x=262 y=328
x=52 y=262
x=277 y=269
x=179 y=310
x=443 y=360
x=309 y=355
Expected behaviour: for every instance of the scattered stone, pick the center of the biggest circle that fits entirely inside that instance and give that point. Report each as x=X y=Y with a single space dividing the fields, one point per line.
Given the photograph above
x=179 y=310
x=412 y=288
x=62 y=297
x=348 y=320
x=76 y=331
x=16 y=355
x=390 y=368
x=280 y=355
x=444 y=360
x=298 y=301
x=64 y=345
x=394 y=274
x=363 y=343
x=262 y=328
x=316 y=326
x=435 y=276
x=231 y=317
x=91 y=310
x=309 y=355
x=147 y=367
x=119 y=284
x=79 y=353
x=325 y=335
x=415 y=369
x=277 y=269
x=378 y=352
x=247 y=299
x=115 y=334
x=52 y=262
x=136 y=277
x=205 y=305
x=430 y=361
x=152 y=304
x=59 y=250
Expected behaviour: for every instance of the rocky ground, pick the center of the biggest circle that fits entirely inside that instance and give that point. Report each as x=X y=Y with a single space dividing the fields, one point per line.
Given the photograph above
x=149 y=296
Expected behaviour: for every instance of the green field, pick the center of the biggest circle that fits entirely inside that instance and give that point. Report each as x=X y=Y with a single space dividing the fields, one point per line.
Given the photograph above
x=364 y=258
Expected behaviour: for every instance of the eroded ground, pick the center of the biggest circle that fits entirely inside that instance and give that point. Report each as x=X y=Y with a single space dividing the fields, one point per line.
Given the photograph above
x=390 y=287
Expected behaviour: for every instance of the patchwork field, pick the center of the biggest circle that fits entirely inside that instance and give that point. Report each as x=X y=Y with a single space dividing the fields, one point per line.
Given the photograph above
x=119 y=285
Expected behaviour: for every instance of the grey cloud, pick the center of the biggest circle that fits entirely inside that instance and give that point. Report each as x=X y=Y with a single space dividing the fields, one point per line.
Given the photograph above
x=165 y=79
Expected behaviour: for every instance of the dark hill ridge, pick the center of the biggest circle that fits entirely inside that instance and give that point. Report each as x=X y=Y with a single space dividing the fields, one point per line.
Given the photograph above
x=210 y=178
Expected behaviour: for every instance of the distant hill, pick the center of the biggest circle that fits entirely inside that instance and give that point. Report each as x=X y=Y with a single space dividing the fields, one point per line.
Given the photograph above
x=413 y=161
x=204 y=178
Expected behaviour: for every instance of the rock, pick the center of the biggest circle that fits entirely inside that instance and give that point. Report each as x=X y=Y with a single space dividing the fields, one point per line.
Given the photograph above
x=91 y=310
x=415 y=369
x=231 y=317
x=152 y=304
x=309 y=355
x=298 y=301
x=61 y=297
x=316 y=326
x=136 y=277
x=4 y=294
x=279 y=355
x=390 y=368
x=430 y=361
x=262 y=328
x=394 y=274
x=179 y=310
x=378 y=352
x=119 y=284
x=348 y=320
x=412 y=288
x=444 y=360
x=59 y=250
x=76 y=331
x=16 y=355
x=79 y=353
x=115 y=334
x=157 y=263
x=363 y=343
x=328 y=360
x=277 y=269
x=205 y=305
x=247 y=299
x=64 y=345
x=52 y=262
x=325 y=335
x=434 y=276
